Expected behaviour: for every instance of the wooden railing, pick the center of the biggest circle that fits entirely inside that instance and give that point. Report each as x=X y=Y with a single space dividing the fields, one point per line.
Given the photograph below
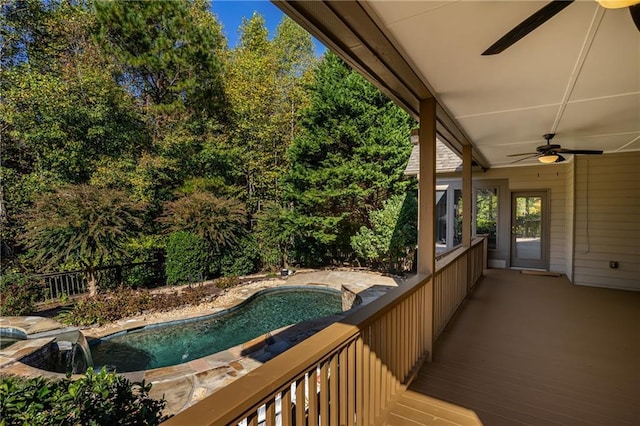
x=351 y=372
x=456 y=274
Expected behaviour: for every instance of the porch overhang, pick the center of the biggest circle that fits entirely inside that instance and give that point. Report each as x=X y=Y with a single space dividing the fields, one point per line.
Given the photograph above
x=351 y=31
x=577 y=75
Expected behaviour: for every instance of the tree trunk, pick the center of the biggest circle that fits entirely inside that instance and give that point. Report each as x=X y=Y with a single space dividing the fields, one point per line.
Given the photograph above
x=92 y=282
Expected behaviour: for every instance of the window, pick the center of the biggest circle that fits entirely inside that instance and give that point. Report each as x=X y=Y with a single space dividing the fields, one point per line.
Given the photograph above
x=487 y=214
x=441 y=220
x=457 y=216
x=448 y=216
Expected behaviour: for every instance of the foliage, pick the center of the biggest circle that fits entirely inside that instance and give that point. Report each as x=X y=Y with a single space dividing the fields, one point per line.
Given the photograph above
x=101 y=398
x=217 y=221
x=227 y=282
x=61 y=112
x=169 y=53
x=274 y=234
x=146 y=252
x=487 y=213
x=347 y=160
x=187 y=258
x=80 y=224
x=240 y=260
x=268 y=158
x=392 y=235
x=264 y=92
x=144 y=275
x=18 y=294
x=125 y=302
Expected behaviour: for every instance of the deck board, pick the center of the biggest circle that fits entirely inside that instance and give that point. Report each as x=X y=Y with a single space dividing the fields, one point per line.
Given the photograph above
x=529 y=349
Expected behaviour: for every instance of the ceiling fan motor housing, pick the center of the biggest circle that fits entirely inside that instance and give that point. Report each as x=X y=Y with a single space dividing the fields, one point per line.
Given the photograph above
x=547 y=148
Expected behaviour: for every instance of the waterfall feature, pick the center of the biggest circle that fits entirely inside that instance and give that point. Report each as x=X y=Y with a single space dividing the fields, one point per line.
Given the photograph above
x=74 y=354
x=68 y=353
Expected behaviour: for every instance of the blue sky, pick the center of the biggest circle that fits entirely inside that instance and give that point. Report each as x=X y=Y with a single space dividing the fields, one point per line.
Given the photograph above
x=231 y=12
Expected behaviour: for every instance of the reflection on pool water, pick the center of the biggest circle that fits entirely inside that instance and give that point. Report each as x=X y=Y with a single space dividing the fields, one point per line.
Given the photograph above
x=176 y=343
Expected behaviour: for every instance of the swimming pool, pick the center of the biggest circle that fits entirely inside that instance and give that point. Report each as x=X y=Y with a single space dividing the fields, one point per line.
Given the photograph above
x=174 y=343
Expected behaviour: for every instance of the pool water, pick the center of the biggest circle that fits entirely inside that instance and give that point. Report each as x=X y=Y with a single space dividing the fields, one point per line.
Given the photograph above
x=176 y=343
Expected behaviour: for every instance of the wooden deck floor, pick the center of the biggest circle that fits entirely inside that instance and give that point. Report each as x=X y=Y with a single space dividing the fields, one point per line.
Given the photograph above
x=527 y=349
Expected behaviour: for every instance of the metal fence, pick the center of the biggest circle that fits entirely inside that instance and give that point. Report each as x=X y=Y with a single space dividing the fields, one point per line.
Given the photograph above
x=60 y=285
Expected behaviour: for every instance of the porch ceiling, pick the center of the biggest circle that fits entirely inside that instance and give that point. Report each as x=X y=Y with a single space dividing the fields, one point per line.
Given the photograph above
x=577 y=75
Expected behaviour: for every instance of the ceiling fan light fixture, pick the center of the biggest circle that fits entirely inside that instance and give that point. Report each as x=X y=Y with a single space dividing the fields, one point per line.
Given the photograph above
x=617 y=4
x=550 y=158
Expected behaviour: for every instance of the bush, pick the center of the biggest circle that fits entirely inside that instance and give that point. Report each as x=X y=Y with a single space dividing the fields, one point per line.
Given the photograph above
x=393 y=233
x=18 y=294
x=141 y=251
x=227 y=282
x=95 y=399
x=187 y=258
x=146 y=275
x=239 y=260
x=126 y=302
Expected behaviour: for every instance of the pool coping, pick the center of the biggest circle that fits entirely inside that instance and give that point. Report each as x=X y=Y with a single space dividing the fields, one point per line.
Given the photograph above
x=185 y=384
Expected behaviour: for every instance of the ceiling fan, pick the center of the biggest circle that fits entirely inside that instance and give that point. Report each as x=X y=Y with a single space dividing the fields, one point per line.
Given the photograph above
x=550 y=153
x=549 y=11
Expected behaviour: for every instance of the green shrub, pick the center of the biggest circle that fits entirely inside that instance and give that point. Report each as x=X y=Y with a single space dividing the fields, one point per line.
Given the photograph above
x=392 y=235
x=95 y=399
x=18 y=294
x=125 y=302
x=242 y=259
x=187 y=258
x=145 y=276
x=144 y=248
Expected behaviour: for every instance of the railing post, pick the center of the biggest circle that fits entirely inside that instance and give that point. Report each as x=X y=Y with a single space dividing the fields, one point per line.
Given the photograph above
x=485 y=253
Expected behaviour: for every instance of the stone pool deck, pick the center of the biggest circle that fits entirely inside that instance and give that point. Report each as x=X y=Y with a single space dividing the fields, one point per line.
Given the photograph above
x=185 y=384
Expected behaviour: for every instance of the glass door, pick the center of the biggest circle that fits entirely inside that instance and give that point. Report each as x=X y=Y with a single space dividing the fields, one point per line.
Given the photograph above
x=529 y=230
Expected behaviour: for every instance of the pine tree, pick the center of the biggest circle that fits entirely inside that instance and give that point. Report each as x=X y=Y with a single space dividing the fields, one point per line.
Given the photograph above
x=347 y=160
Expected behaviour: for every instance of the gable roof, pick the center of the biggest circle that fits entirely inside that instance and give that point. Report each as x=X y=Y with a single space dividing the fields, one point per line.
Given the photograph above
x=447 y=161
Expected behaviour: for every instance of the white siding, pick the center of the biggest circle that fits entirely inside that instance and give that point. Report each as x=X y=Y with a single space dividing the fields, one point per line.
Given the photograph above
x=607 y=220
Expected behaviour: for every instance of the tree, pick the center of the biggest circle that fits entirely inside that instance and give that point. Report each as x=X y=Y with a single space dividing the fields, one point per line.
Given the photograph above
x=170 y=54
x=275 y=236
x=61 y=113
x=392 y=235
x=80 y=224
x=218 y=221
x=347 y=160
x=264 y=89
x=170 y=57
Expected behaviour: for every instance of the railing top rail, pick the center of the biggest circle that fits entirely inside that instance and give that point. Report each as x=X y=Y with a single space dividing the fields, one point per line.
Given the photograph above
x=453 y=255
x=99 y=268
x=252 y=390
x=258 y=385
x=242 y=395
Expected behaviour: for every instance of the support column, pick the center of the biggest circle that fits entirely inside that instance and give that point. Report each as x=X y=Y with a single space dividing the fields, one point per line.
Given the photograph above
x=467 y=209
x=467 y=196
x=426 y=214
x=427 y=187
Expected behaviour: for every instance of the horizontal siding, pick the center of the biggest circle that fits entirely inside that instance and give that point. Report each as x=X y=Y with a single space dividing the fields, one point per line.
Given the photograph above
x=607 y=220
x=629 y=249
x=603 y=282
